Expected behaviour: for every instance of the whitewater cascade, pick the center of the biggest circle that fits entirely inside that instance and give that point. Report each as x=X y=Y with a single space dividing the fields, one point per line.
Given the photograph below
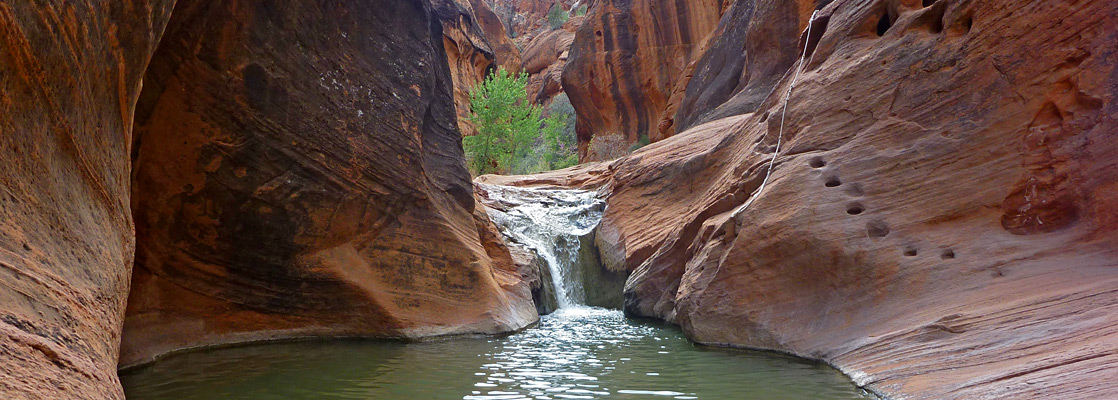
x=549 y=221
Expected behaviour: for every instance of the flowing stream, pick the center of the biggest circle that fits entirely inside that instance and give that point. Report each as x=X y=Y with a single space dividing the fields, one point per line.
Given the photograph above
x=577 y=352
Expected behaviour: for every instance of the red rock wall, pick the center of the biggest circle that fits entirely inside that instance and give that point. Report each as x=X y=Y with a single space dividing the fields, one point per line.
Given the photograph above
x=69 y=76
x=299 y=173
x=475 y=44
x=627 y=58
x=545 y=57
x=506 y=53
x=940 y=221
x=526 y=19
x=730 y=79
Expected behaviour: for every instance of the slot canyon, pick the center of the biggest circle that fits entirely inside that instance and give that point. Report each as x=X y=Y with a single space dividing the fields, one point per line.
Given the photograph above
x=817 y=199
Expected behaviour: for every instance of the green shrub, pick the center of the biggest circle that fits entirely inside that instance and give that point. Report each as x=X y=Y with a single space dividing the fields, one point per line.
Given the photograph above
x=641 y=142
x=556 y=16
x=506 y=123
x=511 y=136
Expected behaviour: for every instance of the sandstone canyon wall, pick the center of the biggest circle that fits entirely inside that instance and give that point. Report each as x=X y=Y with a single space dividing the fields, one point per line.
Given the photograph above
x=940 y=217
x=69 y=77
x=628 y=58
x=545 y=58
x=299 y=173
x=526 y=19
x=475 y=43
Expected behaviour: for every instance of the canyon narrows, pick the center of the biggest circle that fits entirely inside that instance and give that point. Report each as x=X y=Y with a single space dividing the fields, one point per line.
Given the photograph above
x=938 y=219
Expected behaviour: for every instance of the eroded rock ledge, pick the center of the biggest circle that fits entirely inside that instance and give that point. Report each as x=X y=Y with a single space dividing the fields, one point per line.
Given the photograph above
x=940 y=221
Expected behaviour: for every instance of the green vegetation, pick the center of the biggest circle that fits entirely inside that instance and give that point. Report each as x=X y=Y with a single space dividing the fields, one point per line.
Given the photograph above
x=511 y=136
x=641 y=142
x=581 y=10
x=557 y=148
x=556 y=16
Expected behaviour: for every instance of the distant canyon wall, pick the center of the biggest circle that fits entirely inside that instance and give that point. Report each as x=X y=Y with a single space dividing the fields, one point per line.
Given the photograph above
x=627 y=60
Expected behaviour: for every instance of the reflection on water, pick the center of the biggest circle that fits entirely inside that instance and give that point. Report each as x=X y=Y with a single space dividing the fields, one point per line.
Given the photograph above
x=576 y=353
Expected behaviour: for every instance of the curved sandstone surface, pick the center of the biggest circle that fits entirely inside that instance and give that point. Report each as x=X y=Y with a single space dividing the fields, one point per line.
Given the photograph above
x=69 y=76
x=626 y=59
x=299 y=173
x=940 y=218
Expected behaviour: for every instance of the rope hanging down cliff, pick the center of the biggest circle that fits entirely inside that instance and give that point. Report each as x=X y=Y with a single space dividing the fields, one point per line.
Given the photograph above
x=780 y=133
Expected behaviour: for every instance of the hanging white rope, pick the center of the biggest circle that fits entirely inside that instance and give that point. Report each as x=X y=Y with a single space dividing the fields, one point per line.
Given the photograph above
x=787 y=97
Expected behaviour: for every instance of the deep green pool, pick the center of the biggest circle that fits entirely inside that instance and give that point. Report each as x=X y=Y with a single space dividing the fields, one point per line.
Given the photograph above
x=576 y=353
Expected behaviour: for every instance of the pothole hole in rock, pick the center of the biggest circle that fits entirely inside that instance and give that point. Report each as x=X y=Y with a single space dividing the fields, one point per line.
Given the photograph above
x=947 y=254
x=833 y=182
x=910 y=252
x=855 y=209
x=884 y=24
x=877 y=229
x=817 y=162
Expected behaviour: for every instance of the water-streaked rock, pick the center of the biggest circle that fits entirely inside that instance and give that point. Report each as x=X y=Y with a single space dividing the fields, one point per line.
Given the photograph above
x=299 y=173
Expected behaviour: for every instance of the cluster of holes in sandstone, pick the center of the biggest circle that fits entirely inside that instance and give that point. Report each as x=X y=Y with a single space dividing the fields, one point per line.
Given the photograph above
x=874 y=229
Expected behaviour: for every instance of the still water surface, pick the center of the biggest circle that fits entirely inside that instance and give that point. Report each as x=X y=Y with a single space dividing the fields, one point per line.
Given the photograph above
x=575 y=353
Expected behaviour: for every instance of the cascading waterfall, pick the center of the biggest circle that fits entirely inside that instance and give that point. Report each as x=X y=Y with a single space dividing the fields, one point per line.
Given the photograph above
x=550 y=222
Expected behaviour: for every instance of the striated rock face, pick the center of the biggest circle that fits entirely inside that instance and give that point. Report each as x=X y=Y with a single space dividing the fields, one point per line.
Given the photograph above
x=468 y=53
x=940 y=218
x=545 y=57
x=299 y=173
x=69 y=77
x=730 y=79
x=505 y=52
x=626 y=60
x=526 y=19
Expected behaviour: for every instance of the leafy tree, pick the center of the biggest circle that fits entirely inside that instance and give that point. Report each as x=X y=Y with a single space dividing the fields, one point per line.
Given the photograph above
x=507 y=123
x=559 y=132
x=556 y=16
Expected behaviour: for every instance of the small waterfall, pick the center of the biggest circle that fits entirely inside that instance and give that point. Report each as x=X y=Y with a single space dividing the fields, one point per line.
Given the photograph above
x=550 y=222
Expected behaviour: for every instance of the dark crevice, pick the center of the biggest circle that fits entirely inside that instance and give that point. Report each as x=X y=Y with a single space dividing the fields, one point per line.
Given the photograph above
x=884 y=24
x=817 y=29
